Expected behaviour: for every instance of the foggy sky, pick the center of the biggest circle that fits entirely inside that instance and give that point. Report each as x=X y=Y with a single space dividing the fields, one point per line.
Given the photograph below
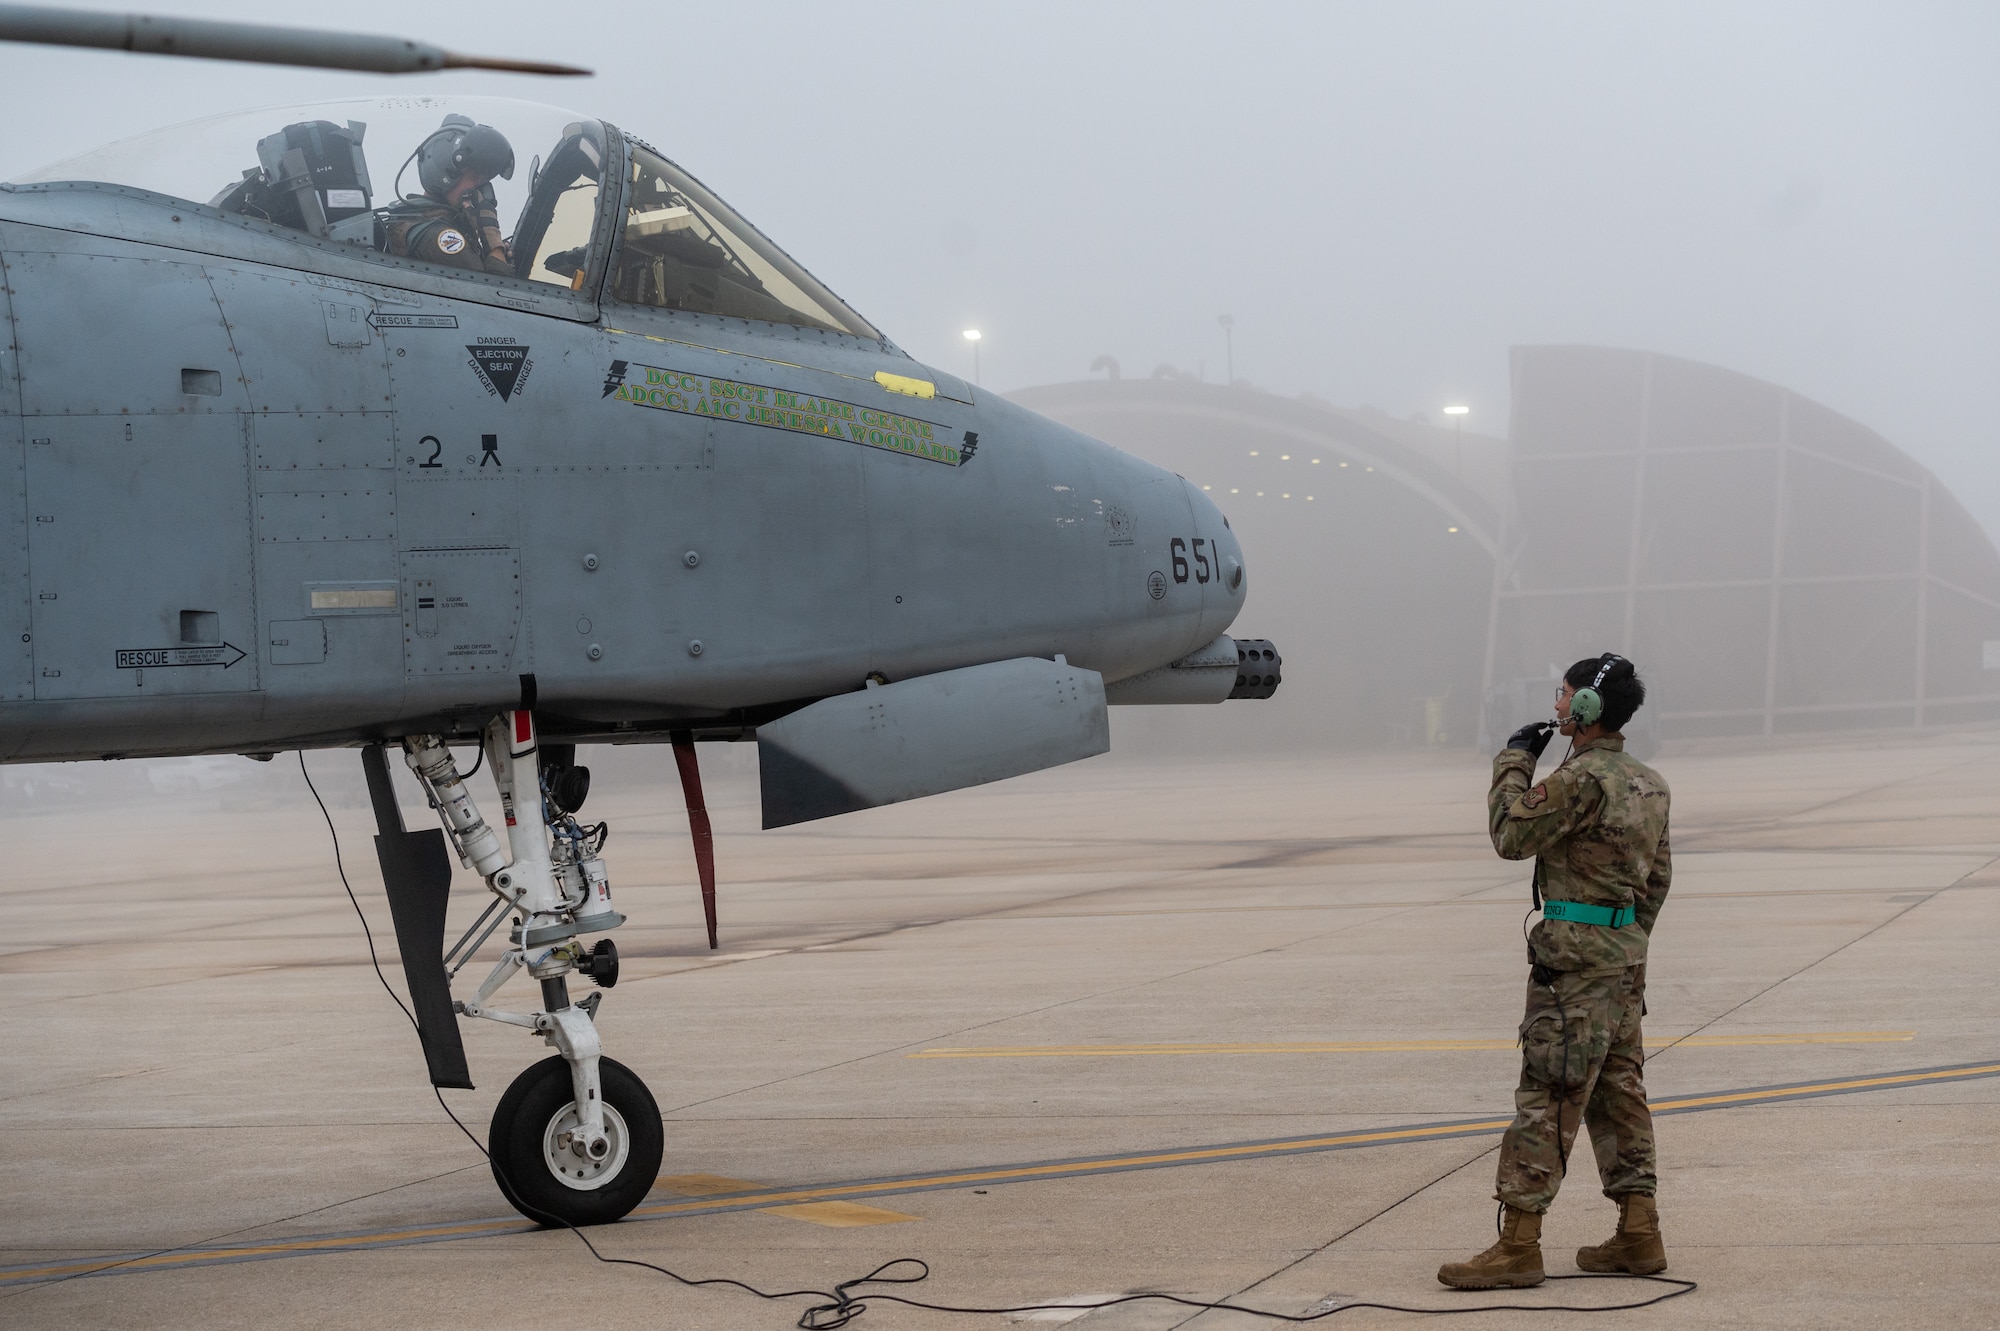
x=1385 y=197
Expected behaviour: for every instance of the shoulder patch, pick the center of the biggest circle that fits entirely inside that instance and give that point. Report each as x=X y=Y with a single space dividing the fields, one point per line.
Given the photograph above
x=1557 y=791
x=450 y=241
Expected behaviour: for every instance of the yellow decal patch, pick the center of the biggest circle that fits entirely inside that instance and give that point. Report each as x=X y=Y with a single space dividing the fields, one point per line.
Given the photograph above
x=908 y=387
x=666 y=389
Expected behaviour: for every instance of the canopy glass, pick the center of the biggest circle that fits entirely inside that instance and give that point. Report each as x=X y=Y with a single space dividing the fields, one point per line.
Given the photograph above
x=385 y=174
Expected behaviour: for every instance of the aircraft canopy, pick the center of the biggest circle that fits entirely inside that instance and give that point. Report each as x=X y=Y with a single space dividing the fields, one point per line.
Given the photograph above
x=369 y=172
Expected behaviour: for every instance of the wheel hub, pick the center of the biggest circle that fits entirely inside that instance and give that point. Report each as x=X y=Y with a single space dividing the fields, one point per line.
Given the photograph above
x=580 y=1164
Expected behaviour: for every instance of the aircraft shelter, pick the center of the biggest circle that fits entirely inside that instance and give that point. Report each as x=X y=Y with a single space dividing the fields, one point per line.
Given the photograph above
x=1773 y=566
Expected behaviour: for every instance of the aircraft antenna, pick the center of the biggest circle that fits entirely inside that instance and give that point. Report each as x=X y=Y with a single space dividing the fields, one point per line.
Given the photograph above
x=257 y=43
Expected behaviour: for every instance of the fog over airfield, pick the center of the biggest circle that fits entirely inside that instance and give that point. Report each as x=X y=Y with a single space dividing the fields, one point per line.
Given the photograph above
x=1384 y=197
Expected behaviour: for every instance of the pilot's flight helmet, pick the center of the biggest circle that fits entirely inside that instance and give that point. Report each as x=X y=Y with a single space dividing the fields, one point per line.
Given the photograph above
x=458 y=146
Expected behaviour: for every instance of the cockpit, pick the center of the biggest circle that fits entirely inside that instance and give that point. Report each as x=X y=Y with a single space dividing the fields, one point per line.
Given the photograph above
x=591 y=210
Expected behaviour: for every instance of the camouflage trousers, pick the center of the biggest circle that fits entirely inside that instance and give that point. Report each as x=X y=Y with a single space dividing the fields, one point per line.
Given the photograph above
x=1581 y=1061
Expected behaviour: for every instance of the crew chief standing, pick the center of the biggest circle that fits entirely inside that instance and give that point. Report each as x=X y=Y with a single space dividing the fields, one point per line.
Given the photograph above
x=1597 y=828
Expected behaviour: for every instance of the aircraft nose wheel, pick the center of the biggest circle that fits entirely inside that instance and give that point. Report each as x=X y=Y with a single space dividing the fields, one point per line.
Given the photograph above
x=548 y=1172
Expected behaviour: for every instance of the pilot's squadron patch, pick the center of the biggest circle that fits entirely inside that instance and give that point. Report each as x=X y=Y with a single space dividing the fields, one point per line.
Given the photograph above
x=450 y=241
x=784 y=409
x=1536 y=798
x=501 y=366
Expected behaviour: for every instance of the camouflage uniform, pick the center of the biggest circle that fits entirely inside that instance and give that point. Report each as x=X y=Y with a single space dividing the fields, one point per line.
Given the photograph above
x=1598 y=829
x=431 y=229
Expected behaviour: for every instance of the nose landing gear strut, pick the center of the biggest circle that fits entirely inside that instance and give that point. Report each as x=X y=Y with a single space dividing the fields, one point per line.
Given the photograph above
x=577 y=1138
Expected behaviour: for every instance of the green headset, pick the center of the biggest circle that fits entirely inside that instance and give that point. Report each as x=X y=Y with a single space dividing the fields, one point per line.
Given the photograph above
x=1586 y=705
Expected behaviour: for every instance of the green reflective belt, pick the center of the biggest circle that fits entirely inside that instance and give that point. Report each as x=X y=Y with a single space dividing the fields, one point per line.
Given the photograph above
x=1576 y=912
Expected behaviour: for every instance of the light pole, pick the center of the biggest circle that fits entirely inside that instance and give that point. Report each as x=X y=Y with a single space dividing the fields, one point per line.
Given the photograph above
x=1228 y=322
x=972 y=336
x=1458 y=413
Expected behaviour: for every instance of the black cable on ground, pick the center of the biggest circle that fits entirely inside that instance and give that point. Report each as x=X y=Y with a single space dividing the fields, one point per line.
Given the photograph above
x=846 y=1307
x=842 y=1306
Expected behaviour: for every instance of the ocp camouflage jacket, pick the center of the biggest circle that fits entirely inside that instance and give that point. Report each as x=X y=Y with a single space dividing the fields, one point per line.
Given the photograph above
x=1597 y=827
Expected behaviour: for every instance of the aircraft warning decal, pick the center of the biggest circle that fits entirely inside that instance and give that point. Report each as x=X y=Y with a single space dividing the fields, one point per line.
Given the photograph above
x=781 y=409
x=501 y=365
x=379 y=321
x=161 y=658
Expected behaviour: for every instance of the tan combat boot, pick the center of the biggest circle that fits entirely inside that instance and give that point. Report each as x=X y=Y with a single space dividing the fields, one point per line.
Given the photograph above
x=1515 y=1262
x=1637 y=1247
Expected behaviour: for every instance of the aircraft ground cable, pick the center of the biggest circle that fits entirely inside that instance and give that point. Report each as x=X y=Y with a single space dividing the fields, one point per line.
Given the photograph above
x=844 y=1306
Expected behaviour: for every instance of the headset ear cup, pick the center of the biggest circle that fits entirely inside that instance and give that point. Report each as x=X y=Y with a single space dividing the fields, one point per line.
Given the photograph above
x=1585 y=706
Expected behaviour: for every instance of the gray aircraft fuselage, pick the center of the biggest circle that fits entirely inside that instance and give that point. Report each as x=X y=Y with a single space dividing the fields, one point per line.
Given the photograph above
x=269 y=491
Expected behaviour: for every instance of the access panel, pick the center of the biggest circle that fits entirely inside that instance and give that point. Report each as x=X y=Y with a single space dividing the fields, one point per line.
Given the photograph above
x=140 y=553
x=461 y=611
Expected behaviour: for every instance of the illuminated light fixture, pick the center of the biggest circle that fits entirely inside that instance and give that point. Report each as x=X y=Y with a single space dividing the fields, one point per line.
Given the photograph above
x=1343 y=464
x=1371 y=469
x=1315 y=462
x=1260 y=494
x=1284 y=496
x=1309 y=499
x=1284 y=457
x=1451 y=529
x=1233 y=490
x=972 y=336
x=1208 y=487
x=1253 y=452
x=1457 y=411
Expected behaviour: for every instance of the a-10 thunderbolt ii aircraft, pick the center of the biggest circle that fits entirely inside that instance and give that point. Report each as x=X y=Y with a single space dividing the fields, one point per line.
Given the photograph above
x=278 y=484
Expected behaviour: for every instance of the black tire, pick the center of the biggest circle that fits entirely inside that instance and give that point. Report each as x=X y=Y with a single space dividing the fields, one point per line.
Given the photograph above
x=521 y=1124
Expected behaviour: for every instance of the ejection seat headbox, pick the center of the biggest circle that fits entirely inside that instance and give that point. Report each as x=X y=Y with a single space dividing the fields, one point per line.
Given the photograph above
x=310 y=176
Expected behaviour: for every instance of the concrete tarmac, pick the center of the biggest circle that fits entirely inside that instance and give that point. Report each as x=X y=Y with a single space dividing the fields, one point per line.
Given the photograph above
x=1221 y=1028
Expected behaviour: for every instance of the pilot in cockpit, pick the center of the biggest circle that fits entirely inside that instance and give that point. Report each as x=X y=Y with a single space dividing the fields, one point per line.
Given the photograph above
x=455 y=220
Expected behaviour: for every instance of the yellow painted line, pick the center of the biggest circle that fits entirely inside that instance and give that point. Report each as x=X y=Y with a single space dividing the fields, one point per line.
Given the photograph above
x=1386 y=1046
x=838 y=1215
x=1825 y=1088
x=1456 y=903
x=1302 y=1144
x=1201 y=1155
x=1800 y=1037
x=779 y=1200
x=1057 y=1169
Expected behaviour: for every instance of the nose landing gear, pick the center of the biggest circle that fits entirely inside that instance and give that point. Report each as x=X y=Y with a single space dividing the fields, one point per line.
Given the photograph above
x=577 y=1138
